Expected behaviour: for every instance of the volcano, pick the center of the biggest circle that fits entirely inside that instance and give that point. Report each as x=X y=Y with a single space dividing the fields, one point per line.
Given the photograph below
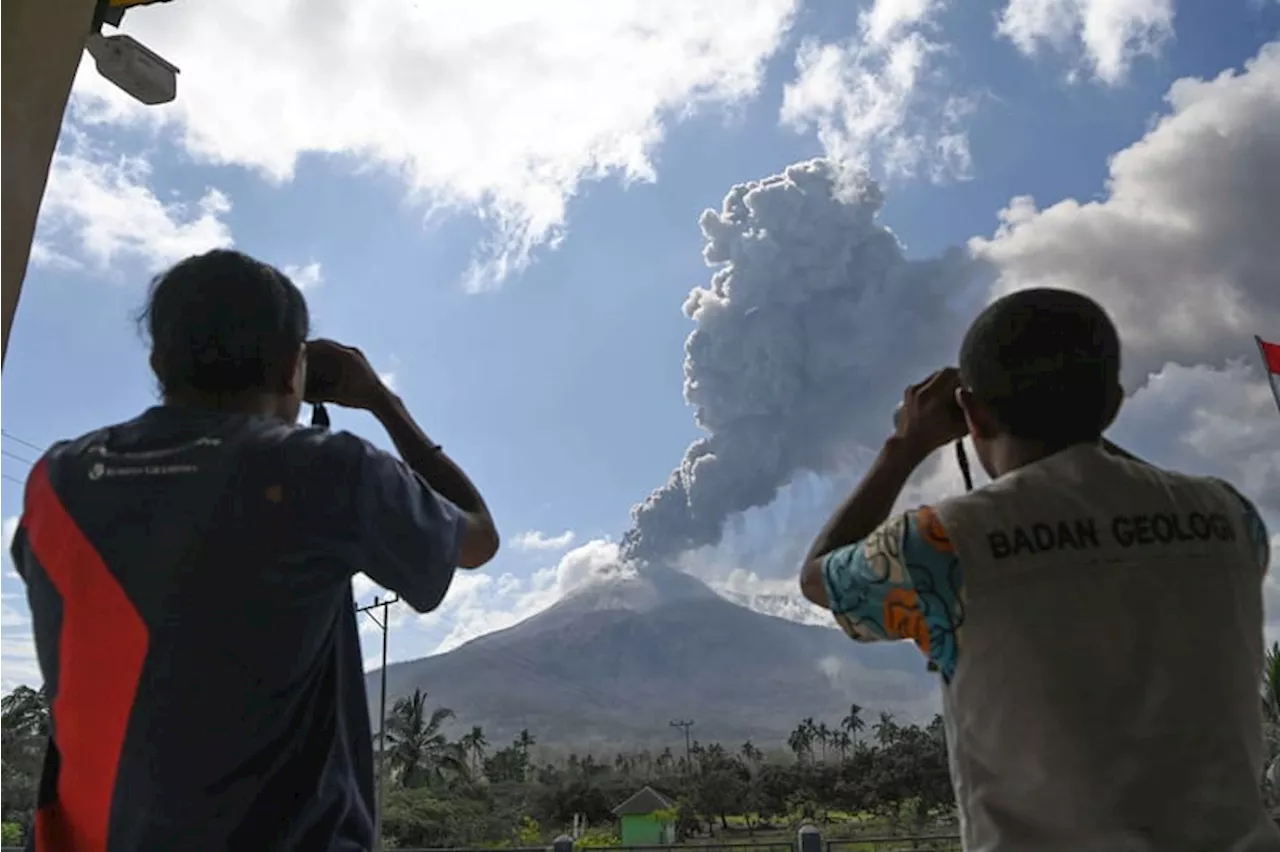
x=611 y=664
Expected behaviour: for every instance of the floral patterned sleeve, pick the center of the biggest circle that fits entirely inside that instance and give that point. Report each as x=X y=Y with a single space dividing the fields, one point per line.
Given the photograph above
x=901 y=582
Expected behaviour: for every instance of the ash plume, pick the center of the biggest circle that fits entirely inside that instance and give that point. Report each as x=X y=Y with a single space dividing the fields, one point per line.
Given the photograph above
x=811 y=326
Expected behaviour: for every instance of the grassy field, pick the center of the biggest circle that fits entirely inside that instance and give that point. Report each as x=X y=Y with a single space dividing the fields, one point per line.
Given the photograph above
x=777 y=839
x=841 y=832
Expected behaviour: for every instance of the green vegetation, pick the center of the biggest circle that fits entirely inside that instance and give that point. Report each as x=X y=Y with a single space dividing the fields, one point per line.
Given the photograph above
x=467 y=793
x=24 y=725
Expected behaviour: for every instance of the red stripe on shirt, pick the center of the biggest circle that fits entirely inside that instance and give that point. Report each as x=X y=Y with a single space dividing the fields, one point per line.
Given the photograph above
x=1271 y=356
x=102 y=646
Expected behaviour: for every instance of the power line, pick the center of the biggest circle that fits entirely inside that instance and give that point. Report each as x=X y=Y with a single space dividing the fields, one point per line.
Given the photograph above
x=24 y=443
x=688 y=744
x=17 y=457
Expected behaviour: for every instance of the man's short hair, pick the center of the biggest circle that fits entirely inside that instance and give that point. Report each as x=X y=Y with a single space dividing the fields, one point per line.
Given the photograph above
x=223 y=323
x=1046 y=363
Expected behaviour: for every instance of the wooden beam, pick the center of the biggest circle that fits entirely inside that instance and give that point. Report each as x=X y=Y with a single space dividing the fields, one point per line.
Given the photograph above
x=41 y=43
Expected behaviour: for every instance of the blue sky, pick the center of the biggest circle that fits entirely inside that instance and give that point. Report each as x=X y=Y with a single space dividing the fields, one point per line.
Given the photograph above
x=500 y=206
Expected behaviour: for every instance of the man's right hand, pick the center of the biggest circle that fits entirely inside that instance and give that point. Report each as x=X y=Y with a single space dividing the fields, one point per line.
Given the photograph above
x=930 y=417
x=341 y=375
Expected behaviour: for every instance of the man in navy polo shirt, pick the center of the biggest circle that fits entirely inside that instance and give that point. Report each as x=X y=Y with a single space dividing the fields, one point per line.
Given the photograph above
x=189 y=574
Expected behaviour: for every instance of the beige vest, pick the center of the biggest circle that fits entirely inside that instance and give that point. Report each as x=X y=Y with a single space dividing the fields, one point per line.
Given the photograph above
x=1106 y=696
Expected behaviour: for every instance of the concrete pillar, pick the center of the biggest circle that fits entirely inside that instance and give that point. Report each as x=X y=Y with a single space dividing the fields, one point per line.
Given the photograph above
x=41 y=43
x=809 y=839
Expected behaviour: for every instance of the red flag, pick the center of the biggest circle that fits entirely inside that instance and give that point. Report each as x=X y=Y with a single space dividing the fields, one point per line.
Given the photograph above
x=1270 y=353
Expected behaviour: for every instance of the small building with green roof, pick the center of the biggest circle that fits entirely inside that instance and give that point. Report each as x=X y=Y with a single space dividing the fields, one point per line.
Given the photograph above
x=647 y=819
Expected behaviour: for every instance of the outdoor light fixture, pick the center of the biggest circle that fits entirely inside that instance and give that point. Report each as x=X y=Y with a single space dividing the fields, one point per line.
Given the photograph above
x=131 y=65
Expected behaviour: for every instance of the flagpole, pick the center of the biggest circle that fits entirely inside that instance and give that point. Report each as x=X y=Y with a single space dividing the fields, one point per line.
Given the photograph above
x=1266 y=370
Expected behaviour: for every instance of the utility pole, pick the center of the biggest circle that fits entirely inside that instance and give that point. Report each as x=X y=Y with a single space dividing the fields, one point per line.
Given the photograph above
x=383 y=625
x=688 y=744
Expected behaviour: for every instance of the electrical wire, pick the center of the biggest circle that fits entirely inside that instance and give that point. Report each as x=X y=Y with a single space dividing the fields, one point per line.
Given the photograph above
x=24 y=443
x=17 y=457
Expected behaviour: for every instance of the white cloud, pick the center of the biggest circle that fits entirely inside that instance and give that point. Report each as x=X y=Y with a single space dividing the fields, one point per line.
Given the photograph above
x=776 y=597
x=538 y=540
x=391 y=375
x=877 y=99
x=480 y=603
x=365 y=592
x=1182 y=250
x=363 y=587
x=43 y=254
x=504 y=107
x=1271 y=593
x=889 y=19
x=306 y=277
x=18 y=666
x=1212 y=421
x=100 y=206
x=1112 y=33
x=9 y=527
x=13 y=617
x=17 y=646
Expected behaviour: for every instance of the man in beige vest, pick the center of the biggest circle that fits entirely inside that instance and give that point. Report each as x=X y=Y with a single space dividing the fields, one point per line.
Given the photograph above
x=1097 y=622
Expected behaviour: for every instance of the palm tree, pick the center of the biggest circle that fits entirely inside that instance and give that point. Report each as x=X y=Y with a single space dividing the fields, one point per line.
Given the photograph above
x=886 y=729
x=590 y=768
x=474 y=744
x=937 y=729
x=800 y=741
x=523 y=743
x=823 y=735
x=696 y=751
x=645 y=760
x=419 y=753
x=854 y=723
x=842 y=741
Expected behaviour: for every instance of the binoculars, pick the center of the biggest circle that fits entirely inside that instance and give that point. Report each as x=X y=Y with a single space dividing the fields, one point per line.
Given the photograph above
x=322 y=375
x=957 y=415
x=962 y=458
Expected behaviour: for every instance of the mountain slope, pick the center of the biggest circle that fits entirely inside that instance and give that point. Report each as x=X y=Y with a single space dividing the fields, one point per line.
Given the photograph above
x=616 y=661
